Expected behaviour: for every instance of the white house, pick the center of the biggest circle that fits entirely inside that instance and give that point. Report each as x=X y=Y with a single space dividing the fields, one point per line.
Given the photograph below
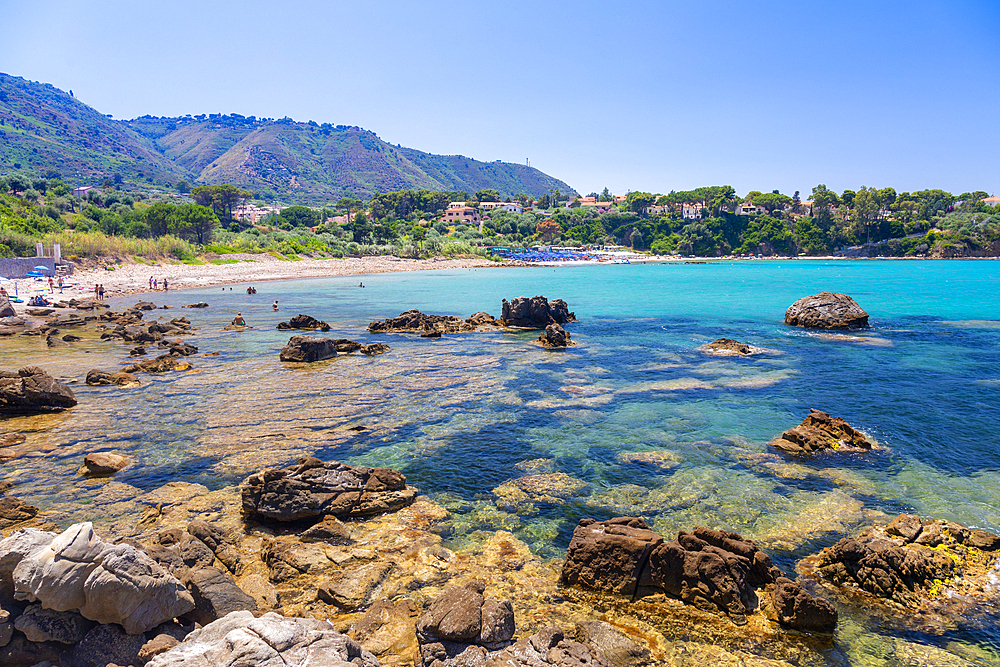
x=747 y=208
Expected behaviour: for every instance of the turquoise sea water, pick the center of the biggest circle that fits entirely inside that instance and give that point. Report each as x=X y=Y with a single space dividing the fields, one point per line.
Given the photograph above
x=632 y=420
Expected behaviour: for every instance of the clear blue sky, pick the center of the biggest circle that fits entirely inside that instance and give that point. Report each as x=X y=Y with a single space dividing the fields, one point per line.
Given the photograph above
x=632 y=95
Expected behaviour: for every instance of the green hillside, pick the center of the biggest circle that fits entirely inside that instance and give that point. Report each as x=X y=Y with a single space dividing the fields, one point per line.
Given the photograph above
x=49 y=132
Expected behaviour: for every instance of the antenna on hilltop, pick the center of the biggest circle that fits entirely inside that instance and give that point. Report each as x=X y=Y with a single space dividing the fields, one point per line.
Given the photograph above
x=527 y=162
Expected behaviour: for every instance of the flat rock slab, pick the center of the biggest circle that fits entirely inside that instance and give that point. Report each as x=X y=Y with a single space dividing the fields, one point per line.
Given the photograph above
x=313 y=489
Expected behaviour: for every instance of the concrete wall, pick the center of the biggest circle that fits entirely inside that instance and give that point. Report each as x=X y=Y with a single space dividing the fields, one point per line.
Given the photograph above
x=18 y=267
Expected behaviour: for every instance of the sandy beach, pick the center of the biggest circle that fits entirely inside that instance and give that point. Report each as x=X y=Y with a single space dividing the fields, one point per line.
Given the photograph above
x=134 y=277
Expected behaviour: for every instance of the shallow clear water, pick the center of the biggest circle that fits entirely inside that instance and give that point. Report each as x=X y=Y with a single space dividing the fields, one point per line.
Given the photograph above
x=467 y=416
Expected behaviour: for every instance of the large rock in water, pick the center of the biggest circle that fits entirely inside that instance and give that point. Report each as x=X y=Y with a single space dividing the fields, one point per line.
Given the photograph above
x=462 y=622
x=826 y=310
x=908 y=558
x=714 y=570
x=535 y=313
x=415 y=321
x=272 y=640
x=313 y=489
x=308 y=348
x=301 y=321
x=820 y=431
x=77 y=571
x=555 y=336
x=31 y=389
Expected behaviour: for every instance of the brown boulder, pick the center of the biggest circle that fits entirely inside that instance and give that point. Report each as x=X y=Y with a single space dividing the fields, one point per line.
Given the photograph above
x=727 y=347
x=820 y=431
x=308 y=349
x=536 y=312
x=313 y=489
x=102 y=464
x=801 y=611
x=98 y=377
x=14 y=511
x=609 y=555
x=301 y=321
x=555 y=336
x=826 y=310
x=31 y=389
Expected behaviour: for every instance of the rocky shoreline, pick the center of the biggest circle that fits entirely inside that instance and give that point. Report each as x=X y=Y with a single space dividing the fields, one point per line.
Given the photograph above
x=348 y=565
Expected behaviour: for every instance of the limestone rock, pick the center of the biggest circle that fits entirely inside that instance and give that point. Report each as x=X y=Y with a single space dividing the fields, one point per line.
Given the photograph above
x=33 y=390
x=103 y=464
x=308 y=348
x=826 y=310
x=272 y=640
x=104 y=582
x=555 y=336
x=301 y=321
x=155 y=646
x=46 y=625
x=536 y=312
x=313 y=489
x=609 y=555
x=797 y=609
x=820 y=431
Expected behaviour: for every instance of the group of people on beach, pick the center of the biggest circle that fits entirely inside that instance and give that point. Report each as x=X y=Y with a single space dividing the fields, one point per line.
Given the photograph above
x=155 y=284
x=98 y=292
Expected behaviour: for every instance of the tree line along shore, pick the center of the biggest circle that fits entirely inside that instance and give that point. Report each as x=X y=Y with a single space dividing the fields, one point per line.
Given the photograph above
x=195 y=224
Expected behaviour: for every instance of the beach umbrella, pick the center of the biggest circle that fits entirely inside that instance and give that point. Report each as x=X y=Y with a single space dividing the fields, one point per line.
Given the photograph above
x=42 y=268
x=4 y=280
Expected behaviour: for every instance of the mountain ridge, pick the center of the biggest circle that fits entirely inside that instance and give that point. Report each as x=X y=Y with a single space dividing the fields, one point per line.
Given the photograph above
x=49 y=131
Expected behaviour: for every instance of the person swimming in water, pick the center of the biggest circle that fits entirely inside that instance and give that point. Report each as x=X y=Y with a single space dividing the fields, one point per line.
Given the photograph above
x=239 y=321
x=274 y=306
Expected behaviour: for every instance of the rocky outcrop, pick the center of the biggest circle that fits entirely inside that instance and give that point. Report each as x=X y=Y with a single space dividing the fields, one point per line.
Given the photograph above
x=31 y=389
x=820 y=431
x=713 y=570
x=462 y=623
x=103 y=464
x=241 y=639
x=46 y=625
x=6 y=309
x=826 y=310
x=798 y=609
x=536 y=312
x=610 y=555
x=909 y=559
x=313 y=489
x=98 y=377
x=413 y=321
x=727 y=347
x=77 y=571
x=200 y=304
x=373 y=349
x=618 y=650
x=308 y=349
x=301 y=321
x=555 y=336
x=14 y=511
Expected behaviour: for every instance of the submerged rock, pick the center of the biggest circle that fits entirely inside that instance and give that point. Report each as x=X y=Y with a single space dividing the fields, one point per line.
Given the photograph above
x=536 y=312
x=727 y=347
x=14 y=511
x=820 y=431
x=102 y=464
x=555 y=336
x=550 y=646
x=301 y=321
x=161 y=364
x=241 y=639
x=98 y=377
x=200 y=304
x=313 y=489
x=31 y=389
x=826 y=310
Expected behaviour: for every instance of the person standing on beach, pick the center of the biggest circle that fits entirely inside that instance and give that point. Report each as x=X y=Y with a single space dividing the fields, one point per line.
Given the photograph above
x=96 y=292
x=164 y=284
x=151 y=282
x=60 y=284
x=102 y=291
x=51 y=288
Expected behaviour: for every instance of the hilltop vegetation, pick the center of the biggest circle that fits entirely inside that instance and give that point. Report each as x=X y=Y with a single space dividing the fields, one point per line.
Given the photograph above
x=45 y=130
